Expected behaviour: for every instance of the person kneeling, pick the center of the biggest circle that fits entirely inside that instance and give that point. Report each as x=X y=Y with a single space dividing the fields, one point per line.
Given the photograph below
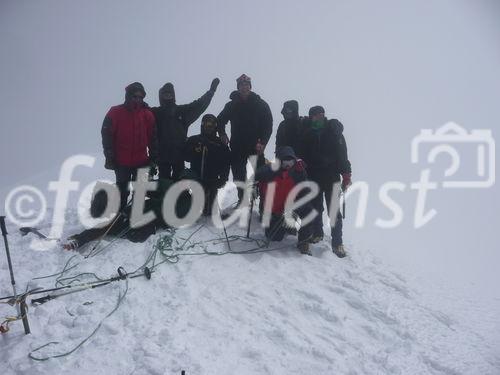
x=290 y=173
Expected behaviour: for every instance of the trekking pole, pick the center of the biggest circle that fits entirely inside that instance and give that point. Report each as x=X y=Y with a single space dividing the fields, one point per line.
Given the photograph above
x=122 y=275
x=203 y=155
x=250 y=214
x=22 y=303
x=223 y=225
x=343 y=205
x=147 y=273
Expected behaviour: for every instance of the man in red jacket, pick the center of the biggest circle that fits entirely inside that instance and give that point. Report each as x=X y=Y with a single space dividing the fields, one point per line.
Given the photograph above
x=129 y=138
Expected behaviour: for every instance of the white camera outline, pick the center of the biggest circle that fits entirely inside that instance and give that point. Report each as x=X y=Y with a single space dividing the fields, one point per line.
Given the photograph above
x=451 y=132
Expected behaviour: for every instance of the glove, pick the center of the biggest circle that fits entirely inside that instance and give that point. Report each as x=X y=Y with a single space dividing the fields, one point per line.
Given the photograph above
x=346 y=181
x=300 y=165
x=224 y=138
x=153 y=169
x=109 y=164
x=260 y=147
x=214 y=84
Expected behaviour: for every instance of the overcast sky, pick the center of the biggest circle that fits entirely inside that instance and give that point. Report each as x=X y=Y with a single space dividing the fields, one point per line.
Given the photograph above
x=386 y=69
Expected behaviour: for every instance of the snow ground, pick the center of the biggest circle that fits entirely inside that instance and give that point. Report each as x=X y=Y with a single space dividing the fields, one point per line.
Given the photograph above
x=275 y=312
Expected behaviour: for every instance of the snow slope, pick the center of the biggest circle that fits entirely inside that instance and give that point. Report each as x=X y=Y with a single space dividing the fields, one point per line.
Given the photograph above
x=274 y=312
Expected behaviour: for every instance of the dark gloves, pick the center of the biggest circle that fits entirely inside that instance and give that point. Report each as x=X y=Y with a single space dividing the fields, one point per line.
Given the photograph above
x=109 y=164
x=260 y=147
x=153 y=169
x=214 y=84
x=346 y=181
x=224 y=138
x=300 y=165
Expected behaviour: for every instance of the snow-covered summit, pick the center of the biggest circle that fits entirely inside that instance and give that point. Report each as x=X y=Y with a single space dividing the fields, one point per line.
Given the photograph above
x=271 y=312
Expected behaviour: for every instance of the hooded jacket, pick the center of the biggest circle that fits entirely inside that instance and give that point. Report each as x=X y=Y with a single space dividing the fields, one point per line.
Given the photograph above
x=129 y=134
x=173 y=122
x=251 y=120
x=289 y=130
x=325 y=151
x=209 y=157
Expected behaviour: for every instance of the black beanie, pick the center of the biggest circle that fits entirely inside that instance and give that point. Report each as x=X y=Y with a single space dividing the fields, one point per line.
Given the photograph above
x=243 y=78
x=317 y=109
x=208 y=117
x=291 y=106
x=134 y=87
x=204 y=120
x=167 y=87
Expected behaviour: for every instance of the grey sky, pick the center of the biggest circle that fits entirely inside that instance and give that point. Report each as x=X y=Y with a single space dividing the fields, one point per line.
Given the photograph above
x=386 y=69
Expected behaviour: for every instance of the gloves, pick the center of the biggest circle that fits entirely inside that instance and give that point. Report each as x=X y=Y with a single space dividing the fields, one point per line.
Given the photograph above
x=300 y=165
x=224 y=138
x=214 y=84
x=346 y=181
x=153 y=169
x=260 y=147
x=109 y=164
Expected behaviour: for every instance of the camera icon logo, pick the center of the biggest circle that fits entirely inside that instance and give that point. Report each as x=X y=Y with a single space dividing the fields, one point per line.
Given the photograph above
x=475 y=171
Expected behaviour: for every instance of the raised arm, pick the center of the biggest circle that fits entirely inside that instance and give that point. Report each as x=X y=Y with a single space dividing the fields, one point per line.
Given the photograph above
x=192 y=111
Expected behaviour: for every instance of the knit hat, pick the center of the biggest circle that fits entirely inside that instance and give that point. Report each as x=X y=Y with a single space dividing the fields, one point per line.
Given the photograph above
x=133 y=88
x=290 y=107
x=243 y=78
x=208 y=119
x=285 y=152
x=167 y=88
x=316 y=110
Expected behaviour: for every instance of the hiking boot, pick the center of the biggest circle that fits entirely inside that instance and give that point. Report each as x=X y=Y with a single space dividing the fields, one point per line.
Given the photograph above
x=304 y=248
x=339 y=251
x=316 y=239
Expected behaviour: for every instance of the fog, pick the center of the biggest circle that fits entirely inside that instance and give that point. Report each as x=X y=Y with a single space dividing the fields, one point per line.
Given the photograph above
x=385 y=69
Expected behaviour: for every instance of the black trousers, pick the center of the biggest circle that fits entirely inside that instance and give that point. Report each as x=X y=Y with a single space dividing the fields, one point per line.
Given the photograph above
x=124 y=175
x=171 y=171
x=278 y=227
x=325 y=194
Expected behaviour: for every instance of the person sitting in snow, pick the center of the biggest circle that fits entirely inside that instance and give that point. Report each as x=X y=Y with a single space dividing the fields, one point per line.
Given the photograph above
x=209 y=158
x=121 y=226
x=291 y=172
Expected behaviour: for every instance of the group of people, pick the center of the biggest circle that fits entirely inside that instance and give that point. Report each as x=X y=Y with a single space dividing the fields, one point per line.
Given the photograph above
x=309 y=148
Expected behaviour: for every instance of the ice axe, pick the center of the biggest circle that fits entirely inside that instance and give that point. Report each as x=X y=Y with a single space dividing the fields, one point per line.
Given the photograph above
x=25 y=230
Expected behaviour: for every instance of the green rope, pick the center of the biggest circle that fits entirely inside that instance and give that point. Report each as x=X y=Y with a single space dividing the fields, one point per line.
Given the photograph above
x=121 y=297
x=166 y=246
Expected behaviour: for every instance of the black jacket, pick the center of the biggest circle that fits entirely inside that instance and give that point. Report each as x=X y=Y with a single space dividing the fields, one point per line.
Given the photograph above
x=173 y=121
x=216 y=162
x=289 y=133
x=325 y=151
x=251 y=120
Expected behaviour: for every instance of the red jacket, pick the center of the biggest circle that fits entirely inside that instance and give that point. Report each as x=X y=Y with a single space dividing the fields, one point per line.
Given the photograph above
x=128 y=134
x=284 y=184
